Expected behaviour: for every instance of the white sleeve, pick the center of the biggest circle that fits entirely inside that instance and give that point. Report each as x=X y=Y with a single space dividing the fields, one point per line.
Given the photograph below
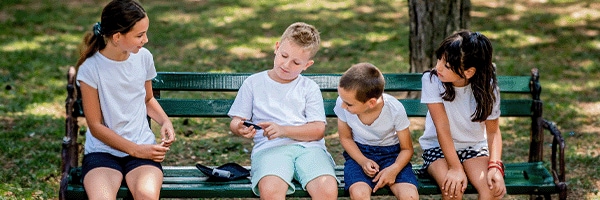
x=243 y=103
x=496 y=110
x=149 y=64
x=339 y=111
x=431 y=89
x=87 y=73
x=315 y=109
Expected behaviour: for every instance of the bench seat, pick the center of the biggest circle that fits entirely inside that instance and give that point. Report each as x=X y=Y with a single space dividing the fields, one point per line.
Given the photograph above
x=189 y=182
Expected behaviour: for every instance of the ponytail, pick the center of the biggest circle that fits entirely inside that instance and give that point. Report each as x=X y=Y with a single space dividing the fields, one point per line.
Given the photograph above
x=92 y=42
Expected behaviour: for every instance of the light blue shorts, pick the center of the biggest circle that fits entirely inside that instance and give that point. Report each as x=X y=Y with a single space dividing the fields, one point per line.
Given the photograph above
x=291 y=162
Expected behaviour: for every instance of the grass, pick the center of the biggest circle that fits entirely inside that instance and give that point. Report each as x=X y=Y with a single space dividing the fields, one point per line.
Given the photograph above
x=39 y=39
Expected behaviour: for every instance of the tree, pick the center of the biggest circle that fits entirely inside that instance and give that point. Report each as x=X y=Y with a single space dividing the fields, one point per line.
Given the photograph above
x=430 y=22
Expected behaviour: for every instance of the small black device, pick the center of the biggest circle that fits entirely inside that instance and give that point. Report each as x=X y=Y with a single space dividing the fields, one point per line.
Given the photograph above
x=248 y=124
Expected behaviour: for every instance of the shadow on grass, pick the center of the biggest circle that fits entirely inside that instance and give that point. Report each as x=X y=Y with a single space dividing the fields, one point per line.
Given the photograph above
x=39 y=40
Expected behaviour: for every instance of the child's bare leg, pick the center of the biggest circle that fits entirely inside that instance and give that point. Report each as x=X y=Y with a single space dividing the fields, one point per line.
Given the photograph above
x=476 y=170
x=144 y=182
x=360 y=190
x=405 y=191
x=272 y=187
x=323 y=187
x=102 y=183
x=438 y=170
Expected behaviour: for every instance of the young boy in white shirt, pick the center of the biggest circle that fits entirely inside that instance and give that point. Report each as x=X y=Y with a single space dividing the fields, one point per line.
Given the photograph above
x=288 y=108
x=373 y=129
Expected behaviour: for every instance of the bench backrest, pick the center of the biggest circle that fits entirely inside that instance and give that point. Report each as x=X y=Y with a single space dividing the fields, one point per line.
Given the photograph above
x=231 y=82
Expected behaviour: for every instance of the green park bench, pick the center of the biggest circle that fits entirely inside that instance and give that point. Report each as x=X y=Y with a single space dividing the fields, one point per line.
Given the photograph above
x=534 y=177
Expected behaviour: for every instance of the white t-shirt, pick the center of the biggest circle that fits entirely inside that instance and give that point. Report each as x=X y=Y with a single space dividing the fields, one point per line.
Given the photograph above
x=262 y=99
x=464 y=132
x=382 y=132
x=122 y=93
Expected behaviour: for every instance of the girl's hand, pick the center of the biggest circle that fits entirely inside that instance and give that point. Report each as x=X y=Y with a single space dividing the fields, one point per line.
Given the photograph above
x=155 y=152
x=370 y=167
x=386 y=177
x=167 y=134
x=455 y=183
x=496 y=182
x=272 y=130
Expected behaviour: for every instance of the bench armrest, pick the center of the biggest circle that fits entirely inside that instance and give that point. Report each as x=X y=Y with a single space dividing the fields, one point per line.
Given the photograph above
x=558 y=149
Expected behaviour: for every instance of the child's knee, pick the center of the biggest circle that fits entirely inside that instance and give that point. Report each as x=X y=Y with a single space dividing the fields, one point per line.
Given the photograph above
x=323 y=185
x=360 y=190
x=405 y=191
x=408 y=195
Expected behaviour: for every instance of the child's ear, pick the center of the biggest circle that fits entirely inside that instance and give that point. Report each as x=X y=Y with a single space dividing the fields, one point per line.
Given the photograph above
x=372 y=102
x=276 y=47
x=470 y=72
x=308 y=64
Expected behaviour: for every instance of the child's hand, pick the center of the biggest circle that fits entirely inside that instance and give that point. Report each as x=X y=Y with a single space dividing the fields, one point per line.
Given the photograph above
x=370 y=168
x=155 y=152
x=272 y=130
x=455 y=183
x=167 y=134
x=496 y=183
x=386 y=177
x=245 y=131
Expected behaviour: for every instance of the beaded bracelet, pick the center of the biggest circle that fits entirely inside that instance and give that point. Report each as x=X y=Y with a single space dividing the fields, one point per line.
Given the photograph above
x=498 y=165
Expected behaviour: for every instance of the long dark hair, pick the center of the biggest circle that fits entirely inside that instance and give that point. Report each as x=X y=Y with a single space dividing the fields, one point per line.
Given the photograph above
x=118 y=16
x=463 y=50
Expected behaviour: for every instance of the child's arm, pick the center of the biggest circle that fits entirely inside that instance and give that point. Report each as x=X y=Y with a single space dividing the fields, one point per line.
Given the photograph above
x=494 y=176
x=237 y=127
x=494 y=138
x=387 y=176
x=93 y=116
x=345 y=134
x=156 y=112
x=455 y=177
x=310 y=131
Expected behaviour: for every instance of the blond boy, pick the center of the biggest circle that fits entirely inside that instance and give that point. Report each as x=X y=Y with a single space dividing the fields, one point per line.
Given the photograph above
x=288 y=108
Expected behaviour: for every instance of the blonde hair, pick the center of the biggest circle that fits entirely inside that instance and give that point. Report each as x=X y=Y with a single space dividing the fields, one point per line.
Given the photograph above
x=304 y=35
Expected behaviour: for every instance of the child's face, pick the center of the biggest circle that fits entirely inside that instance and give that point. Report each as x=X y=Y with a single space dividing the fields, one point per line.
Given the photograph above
x=135 y=39
x=290 y=60
x=445 y=73
x=350 y=103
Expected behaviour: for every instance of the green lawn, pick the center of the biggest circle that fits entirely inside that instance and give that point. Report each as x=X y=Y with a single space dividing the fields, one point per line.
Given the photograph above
x=39 y=39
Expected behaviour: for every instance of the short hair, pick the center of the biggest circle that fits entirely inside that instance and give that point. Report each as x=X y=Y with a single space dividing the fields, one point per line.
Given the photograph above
x=365 y=79
x=304 y=35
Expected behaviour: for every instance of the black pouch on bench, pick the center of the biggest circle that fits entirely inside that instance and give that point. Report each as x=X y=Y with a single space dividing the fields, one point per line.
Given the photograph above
x=226 y=172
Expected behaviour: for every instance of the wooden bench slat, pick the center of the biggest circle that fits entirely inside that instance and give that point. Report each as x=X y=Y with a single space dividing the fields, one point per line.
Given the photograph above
x=190 y=81
x=196 y=107
x=514 y=84
x=220 y=107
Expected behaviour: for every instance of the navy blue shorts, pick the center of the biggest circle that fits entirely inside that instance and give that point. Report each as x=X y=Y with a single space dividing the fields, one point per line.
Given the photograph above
x=384 y=156
x=122 y=164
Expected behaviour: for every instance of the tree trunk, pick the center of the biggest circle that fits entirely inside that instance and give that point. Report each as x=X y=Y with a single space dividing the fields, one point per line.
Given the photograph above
x=430 y=22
